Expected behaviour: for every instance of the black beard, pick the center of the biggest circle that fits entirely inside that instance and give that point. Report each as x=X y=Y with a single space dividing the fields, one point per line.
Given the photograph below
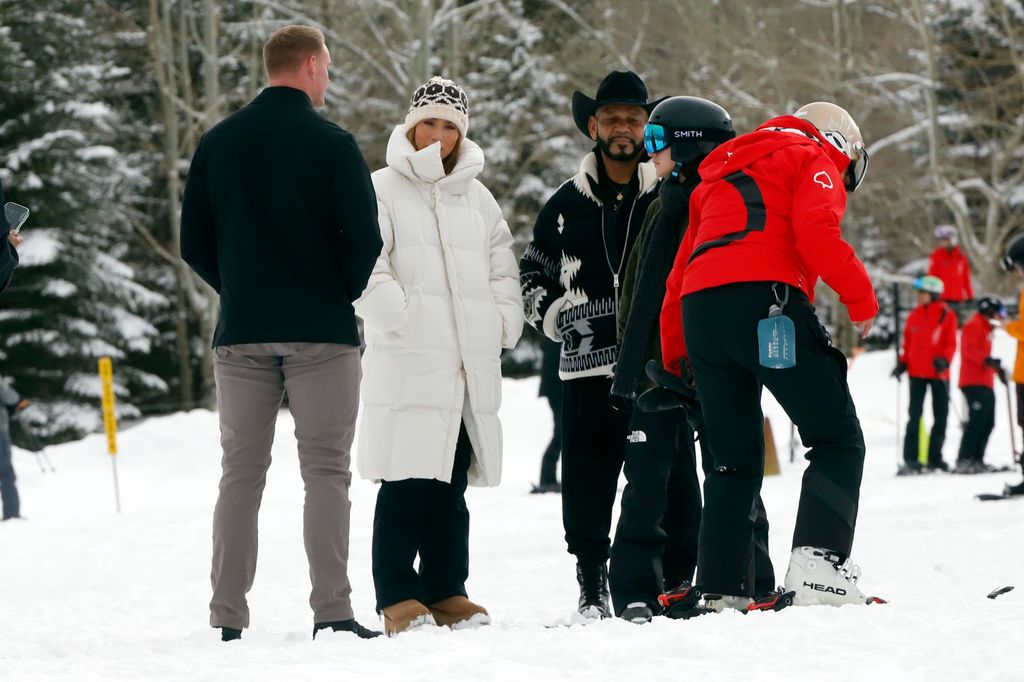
x=606 y=149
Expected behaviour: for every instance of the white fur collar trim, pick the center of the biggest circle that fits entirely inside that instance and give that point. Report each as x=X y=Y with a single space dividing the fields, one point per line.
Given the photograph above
x=588 y=175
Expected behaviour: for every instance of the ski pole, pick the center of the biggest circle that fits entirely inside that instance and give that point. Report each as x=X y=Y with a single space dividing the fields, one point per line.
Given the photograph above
x=950 y=405
x=37 y=445
x=899 y=416
x=792 y=442
x=1013 y=436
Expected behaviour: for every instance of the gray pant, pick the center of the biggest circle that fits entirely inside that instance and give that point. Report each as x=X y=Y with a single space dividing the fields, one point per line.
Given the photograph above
x=322 y=382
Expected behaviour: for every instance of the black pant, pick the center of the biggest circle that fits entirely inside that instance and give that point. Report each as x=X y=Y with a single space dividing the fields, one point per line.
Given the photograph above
x=656 y=538
x=427 y=517
x=721 y=335
x=549 y=463
x=940 y=412
x=1020 y=405
x=593 y=446
x=981 y=419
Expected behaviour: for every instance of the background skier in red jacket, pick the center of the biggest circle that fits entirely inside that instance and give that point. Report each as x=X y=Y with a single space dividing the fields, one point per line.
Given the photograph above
x=764 y=226
x=949 y=264
x=929 y=342
x=977 y=369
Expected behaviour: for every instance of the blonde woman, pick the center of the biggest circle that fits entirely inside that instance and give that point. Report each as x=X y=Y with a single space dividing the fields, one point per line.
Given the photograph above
x=441 y=303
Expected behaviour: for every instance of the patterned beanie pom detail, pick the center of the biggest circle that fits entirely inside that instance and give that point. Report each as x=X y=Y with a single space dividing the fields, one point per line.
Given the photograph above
x=439 y=98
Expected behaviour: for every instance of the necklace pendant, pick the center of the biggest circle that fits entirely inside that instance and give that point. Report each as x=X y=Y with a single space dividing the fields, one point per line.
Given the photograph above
x=619 y=197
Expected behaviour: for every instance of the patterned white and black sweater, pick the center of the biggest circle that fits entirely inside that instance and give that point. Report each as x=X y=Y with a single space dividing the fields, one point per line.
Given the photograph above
x=570 y=272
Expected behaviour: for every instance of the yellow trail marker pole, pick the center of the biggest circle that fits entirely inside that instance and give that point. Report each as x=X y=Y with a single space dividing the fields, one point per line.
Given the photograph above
x=110 y=420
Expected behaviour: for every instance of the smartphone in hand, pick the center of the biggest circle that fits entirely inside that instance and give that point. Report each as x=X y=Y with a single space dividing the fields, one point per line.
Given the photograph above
x=16 y=215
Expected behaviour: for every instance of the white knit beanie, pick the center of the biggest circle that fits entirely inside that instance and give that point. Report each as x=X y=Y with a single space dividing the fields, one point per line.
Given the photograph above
x=439 y=98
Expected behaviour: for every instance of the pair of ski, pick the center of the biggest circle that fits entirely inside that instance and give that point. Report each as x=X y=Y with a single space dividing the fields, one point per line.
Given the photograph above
x=1005 y=495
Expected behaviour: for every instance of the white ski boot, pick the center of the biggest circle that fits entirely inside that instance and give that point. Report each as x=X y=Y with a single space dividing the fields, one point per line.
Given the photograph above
x=817 y=576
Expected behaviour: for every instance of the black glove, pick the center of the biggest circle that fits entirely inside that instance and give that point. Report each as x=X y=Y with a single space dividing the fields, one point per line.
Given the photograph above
x=672 y=392
x=994 y=363
x=940 y=364
x=898 y=370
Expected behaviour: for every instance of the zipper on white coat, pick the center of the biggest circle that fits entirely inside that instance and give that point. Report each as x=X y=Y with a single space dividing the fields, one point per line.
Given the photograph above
x=452 y=278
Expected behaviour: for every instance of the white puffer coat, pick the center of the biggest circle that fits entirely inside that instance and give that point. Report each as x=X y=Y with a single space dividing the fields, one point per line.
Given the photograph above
x=442 y=301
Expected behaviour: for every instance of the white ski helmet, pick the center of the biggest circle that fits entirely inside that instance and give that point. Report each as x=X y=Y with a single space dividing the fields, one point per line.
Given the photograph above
x=838 y=127
x=929 y=283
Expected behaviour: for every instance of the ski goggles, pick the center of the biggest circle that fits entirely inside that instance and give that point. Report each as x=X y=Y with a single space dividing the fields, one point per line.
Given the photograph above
x=858 y=168
x=655 y=138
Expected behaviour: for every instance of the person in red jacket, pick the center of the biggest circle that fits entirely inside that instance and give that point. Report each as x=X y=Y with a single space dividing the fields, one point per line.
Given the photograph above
x=764 y=226
x=949 y=264
x=977 y=369
x=929 y=342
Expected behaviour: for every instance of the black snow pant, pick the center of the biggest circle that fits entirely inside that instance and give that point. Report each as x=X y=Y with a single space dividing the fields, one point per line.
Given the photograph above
x=1020 y=404
x=721 y=336
x=549 y=463
x=981 y=419
x=593 y=446
x=429 y=518
x=655 y=544
x=940 y=412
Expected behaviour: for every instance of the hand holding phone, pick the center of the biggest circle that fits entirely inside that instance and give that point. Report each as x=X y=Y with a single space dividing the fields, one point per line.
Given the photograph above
x=16 y=215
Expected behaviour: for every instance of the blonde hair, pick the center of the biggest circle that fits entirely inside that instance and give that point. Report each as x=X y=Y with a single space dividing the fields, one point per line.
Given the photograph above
x=289 y=47
x=451 y=160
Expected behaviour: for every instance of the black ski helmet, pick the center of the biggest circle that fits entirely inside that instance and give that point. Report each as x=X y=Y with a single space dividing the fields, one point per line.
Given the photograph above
x=990 y=306
x=692 y=126
x=1014 y=254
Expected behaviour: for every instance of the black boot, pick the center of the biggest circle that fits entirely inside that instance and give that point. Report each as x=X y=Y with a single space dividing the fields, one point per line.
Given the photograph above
x=349 y=625
x=593 y=580
x=229 y=634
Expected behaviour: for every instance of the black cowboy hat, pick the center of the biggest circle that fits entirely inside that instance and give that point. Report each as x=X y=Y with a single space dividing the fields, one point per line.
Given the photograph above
x=618 y=87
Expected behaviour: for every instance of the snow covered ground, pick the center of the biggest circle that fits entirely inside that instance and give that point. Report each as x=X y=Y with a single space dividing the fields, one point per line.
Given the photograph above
x=86 y=594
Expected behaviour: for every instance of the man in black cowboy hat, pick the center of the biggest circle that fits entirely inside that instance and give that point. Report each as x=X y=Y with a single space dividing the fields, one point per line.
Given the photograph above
x=570 y=277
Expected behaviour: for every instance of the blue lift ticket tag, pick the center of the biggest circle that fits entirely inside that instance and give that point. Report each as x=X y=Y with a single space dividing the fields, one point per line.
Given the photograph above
x=776 y=341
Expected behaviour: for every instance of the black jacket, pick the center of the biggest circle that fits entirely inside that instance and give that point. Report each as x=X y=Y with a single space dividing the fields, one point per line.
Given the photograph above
x=280 y=218
x=569 y=272
x=8 y=254
x=643 y=287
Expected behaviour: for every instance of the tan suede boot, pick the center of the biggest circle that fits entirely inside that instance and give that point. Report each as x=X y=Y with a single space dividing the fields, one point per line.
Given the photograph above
x=458 y=612
x=404 y=615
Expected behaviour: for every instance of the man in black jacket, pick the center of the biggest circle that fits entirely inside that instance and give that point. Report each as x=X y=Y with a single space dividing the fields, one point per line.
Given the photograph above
x=8 y=240
x=570 y=276
x=280 y=218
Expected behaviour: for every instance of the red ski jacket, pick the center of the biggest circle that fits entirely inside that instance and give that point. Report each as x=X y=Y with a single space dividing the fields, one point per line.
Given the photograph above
x=930 y=334
x=768 y=209
x=975 y=346
x=951 y=266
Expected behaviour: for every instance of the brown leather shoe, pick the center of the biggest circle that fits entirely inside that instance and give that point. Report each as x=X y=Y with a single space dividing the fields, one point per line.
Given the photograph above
x=404 y=615
x=458 y=612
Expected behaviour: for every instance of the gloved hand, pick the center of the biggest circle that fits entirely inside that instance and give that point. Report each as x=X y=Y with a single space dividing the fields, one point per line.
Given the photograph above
x=672 y=392
x=940 y=364
x=994 y=363
x=898 y=370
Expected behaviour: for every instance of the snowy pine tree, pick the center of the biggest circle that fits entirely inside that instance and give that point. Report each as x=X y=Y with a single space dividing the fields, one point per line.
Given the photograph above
x=77 y=295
